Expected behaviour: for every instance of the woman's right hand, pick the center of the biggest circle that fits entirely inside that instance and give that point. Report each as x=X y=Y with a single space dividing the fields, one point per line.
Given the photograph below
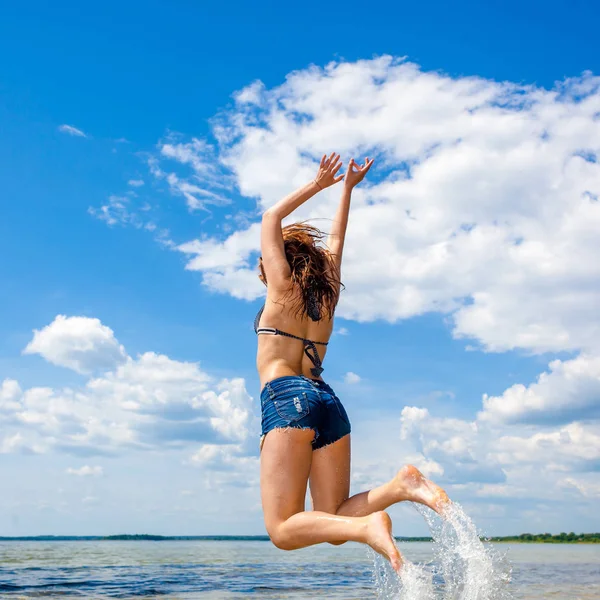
x=328 y=169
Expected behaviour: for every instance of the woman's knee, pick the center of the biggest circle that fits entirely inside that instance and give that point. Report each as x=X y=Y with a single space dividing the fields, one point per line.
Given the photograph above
x=280 y=538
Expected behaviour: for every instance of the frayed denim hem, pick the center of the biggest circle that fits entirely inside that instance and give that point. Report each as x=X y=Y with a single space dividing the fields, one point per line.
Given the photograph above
x=287 y=428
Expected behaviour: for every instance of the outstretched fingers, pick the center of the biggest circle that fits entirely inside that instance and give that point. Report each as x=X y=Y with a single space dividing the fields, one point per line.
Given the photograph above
x=328 y=163
x=328 y=170
x=334 y=166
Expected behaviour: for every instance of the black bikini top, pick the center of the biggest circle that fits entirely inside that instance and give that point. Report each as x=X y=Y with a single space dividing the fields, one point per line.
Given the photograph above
x=310 y=348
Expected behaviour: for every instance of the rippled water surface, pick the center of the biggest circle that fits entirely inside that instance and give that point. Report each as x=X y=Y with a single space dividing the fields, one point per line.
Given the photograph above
x=227 y=569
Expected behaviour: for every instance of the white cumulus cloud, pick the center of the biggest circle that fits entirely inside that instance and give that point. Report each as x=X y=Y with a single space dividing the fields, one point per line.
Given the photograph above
x=570 y=391
x=79 y=343
x=483 y=202
x=134 y=404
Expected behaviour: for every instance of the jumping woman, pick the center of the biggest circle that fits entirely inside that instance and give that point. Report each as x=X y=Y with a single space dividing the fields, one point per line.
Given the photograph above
x=305 y=429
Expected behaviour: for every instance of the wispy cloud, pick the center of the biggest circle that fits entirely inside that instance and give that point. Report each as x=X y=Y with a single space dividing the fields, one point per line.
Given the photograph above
x=70 y=130
x=120 y=212
x=86 y=471
x=136 y=182
x=208 y=181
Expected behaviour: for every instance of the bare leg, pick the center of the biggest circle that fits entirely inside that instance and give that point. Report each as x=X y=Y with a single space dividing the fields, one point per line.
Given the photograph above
x=408 y=485
x=286 y=460
x=330 y=485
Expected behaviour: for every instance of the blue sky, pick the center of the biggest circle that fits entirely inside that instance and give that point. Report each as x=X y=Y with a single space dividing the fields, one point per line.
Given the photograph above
x=137 y=152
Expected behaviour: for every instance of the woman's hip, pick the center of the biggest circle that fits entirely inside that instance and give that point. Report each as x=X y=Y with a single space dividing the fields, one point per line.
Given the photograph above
x=303 y=403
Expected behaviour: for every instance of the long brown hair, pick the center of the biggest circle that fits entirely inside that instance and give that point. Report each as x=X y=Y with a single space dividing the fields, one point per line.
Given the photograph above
x=314 y=272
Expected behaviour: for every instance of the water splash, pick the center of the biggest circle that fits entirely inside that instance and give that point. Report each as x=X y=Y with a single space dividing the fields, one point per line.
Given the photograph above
x=464 y=568
x=470 y=569
x=415 y=582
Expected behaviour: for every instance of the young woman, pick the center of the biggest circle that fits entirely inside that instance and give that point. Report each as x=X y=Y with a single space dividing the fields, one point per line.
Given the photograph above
x=305 y=429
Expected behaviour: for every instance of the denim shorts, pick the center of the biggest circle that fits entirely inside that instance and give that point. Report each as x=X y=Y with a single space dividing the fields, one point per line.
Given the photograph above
x=303 y=403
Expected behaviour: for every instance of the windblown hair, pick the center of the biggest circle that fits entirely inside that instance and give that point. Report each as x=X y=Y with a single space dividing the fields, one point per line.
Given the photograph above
x=314 y=273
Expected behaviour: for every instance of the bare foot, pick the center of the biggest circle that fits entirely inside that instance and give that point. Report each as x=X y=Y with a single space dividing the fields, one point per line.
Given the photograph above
x=412 y=485
x=379 y=537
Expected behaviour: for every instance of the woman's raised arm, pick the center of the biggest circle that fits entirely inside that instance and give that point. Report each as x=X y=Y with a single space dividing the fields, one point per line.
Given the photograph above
x=275 y=264
x=337 y=235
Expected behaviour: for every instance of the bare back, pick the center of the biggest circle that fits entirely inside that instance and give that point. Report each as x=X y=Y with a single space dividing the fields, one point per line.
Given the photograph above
x=279 y=356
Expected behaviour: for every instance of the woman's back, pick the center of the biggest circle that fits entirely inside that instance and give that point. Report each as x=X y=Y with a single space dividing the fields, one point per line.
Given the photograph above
x=283 y=346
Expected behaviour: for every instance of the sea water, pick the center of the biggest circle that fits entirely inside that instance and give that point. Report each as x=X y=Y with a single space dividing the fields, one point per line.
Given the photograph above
x=243 y=570
x=464 y=568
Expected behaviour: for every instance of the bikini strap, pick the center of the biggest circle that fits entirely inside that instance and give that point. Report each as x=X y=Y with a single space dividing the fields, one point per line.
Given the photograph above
x=257 y=318
x=310 y=348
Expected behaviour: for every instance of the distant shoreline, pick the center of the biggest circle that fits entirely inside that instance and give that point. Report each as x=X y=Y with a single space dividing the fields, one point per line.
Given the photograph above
x=525 y=538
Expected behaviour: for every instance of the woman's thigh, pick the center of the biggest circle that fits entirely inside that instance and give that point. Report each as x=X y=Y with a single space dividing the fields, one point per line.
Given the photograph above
x=285 y=463
x=330 y=475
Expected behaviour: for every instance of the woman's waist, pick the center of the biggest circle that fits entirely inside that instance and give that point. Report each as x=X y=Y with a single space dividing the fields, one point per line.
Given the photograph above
x=271 y=371
x=271 y=367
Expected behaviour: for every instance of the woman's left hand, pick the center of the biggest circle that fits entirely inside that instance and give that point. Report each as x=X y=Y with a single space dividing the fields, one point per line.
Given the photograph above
x=355 y=177
x=328 y=169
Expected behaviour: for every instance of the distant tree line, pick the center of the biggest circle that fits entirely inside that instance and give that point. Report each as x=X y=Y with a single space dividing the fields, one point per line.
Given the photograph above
x=548 y=538
x=543 y=538
x=138 y=537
